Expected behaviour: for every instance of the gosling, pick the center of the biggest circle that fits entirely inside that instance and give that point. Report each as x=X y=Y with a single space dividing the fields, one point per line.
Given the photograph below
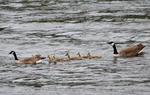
x=73 y=58
x=30 y=60
x=127 y=52
x=89 y=56
x=59 y=59
x=50 y=59
x=79 y=54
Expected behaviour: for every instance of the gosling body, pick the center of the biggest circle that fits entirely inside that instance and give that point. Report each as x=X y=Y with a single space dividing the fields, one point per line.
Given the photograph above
x=50 y=59
x=89 y=56
x=73 y=58
x=59 y=59
x=79 y=54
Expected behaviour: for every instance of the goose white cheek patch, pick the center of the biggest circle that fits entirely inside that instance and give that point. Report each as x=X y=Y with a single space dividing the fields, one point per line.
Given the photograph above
x=39 y=61
x=112 y=44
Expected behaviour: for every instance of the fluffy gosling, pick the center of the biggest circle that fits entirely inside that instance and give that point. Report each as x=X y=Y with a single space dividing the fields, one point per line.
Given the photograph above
x=89 y=56
x=73 y=58
x=59 y=59
x=79 y=54
x=50 y=59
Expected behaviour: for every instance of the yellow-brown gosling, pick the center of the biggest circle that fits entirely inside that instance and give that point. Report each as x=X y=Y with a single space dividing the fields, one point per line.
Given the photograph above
x=79 y=54
x=127 y=52
x=73 y=58
x=89 y=56
x=59 y=59
x=50 y=59
x=30 y=60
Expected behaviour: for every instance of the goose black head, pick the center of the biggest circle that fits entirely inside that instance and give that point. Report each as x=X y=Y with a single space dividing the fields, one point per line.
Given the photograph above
x=12 y=52
x=111 y=43
x=114 y=47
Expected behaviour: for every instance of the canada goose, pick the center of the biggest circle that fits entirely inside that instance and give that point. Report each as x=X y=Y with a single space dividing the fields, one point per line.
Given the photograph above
x=30 y=60
x=127 y=52
x=49 y=58
x=73 y=58
x=82 y=56
x=59 y=59
x=89 y=56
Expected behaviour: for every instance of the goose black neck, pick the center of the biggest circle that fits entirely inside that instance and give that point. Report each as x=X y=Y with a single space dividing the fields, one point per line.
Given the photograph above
x=115 y=49
x=16 y=58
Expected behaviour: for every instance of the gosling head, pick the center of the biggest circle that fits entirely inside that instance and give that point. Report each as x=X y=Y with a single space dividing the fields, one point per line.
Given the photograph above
x=89 y=54
x=79 y=53
x=67 y=54
x=49 y=57
x=54 y=56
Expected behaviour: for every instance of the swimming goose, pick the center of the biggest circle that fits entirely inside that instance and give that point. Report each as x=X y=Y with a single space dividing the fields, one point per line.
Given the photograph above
x=50 y=58
x=59 y=59
x=89 y=56
x=73 y=58
x=127 y=52
x=79 y=54
x=30 y=60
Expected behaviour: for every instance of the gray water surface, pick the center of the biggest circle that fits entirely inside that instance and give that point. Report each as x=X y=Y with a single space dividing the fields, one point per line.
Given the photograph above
x=58 y=26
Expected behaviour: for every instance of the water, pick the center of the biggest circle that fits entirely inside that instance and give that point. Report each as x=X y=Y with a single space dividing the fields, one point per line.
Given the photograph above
x=58 y=26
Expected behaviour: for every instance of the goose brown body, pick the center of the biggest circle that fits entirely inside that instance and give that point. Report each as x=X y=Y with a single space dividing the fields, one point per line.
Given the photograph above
x=128 y=52
x=30 y=60
x=132 y=50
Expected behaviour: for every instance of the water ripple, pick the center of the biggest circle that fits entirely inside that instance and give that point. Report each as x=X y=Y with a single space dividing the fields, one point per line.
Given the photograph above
x=57 y=26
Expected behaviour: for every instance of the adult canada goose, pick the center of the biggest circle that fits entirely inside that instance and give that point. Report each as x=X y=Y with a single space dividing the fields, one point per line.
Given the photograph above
x=59 y=59
x=89 y=56
x=127 y=52
x=82 y=56
x=73 y=58
x=30 y=60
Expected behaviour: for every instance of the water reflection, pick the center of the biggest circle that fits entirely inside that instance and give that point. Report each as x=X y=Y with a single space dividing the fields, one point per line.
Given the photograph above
x=115 y=60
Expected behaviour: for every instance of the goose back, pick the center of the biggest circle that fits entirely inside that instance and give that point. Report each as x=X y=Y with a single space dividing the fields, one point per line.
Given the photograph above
x=132 y=50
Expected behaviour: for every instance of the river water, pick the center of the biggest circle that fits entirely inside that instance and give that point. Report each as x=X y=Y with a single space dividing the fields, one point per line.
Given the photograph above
x=57 y=26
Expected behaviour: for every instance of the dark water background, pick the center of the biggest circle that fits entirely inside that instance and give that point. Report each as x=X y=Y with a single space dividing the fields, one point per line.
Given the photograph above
x=58 y=26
